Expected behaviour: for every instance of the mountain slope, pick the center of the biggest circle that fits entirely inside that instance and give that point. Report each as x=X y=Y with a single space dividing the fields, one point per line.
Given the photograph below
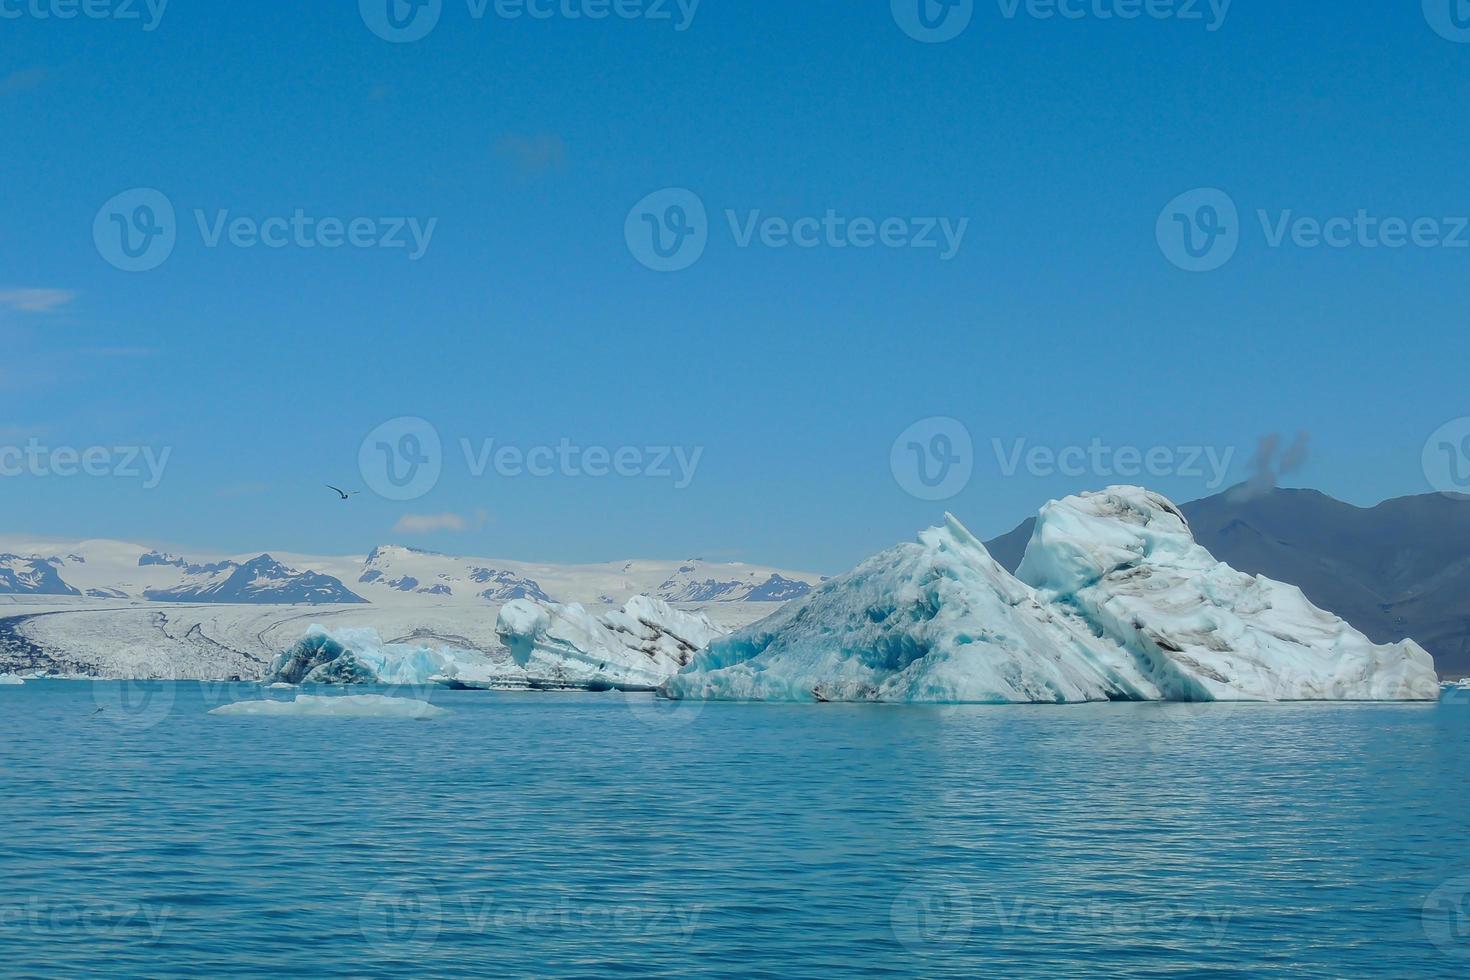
x=32 y=576
x=260 y=580
x=390 y=575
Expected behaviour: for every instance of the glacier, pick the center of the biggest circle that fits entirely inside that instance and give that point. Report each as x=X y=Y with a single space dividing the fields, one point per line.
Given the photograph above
x=344 y=706
x=1114 y=601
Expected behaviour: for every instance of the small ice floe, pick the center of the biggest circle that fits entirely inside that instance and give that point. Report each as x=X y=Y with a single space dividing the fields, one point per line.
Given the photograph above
x=347 y=706
x=280 y=686
x=10 y=680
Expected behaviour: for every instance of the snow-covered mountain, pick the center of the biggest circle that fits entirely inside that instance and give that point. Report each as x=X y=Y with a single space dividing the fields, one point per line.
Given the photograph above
x=32 y=576
x=115 y=609
x=428 y=573
x=389 y=575
x=257 y=581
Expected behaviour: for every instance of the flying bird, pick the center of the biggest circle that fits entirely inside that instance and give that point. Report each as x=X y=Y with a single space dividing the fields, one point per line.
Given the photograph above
x=344 y=494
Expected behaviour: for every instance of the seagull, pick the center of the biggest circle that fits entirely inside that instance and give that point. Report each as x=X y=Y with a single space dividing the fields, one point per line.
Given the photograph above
x=344 y=494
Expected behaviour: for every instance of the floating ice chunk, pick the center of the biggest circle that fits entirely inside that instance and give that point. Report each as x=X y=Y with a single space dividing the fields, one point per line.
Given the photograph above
x=1126 y=560
x=10 y=680
x=934 y=621
x=636 y=647
x=547 y=646
x=359 y=656
x=348 y=706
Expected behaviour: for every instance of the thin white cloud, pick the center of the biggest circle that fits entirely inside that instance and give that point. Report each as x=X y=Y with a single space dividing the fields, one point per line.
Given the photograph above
x=36 y=300
x=430 y=523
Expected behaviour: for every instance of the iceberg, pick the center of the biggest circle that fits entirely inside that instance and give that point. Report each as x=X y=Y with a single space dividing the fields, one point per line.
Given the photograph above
x=1126 y=560
x=548 y=646
x=10 y=680
x=360 y=656
x=347 y=706
x=636 y=647
x=1114 y=601
x=933 y=621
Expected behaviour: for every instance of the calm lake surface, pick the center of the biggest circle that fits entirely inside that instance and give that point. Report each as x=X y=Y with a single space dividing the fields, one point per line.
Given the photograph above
x=582 y=835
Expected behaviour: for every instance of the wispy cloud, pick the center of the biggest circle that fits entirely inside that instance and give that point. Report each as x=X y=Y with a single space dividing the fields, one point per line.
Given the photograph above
x=429 y=523
x=21 y=81
x=36 y=300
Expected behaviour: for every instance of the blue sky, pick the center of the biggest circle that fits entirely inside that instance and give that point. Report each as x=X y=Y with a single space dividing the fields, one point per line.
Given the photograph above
x=528 y=320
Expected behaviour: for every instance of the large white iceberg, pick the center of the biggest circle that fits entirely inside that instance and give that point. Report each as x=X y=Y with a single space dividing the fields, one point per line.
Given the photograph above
x=934 y=621
x=1118 y=603
x=1199 y=629
x=346 y=706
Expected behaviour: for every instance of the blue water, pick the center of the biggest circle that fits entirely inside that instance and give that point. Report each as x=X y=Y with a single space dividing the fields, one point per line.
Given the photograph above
x=587 y=835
